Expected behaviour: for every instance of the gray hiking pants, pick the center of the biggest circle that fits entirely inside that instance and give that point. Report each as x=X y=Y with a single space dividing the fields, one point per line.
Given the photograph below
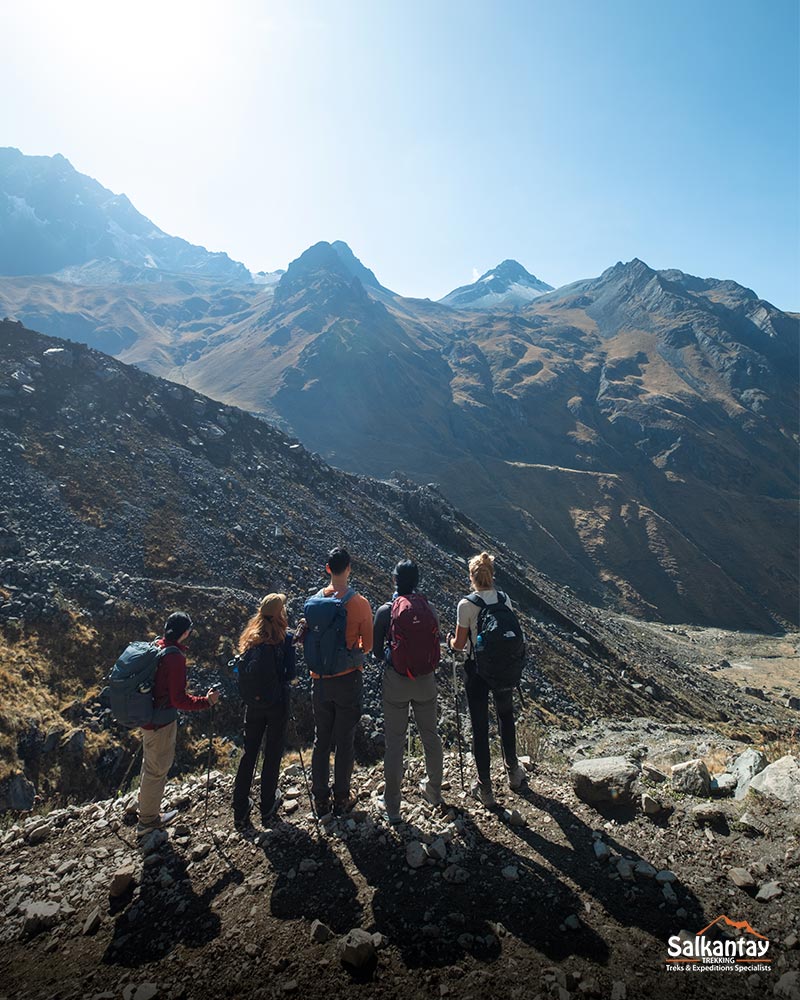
x=398 y=693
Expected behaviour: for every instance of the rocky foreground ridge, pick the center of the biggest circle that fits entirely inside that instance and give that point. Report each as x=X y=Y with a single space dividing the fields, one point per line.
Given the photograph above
x=569 y=889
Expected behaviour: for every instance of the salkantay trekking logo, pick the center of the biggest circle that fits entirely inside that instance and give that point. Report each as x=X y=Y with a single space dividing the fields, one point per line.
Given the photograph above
x=746 y=952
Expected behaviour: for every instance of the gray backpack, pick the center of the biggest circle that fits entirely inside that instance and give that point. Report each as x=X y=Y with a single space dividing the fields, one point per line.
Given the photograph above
x=131 y=684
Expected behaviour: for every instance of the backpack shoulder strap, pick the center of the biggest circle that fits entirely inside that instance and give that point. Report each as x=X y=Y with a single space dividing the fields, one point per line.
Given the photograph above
x=476 y=600
x=348 y=594
x=168 y=649
x=501 y=598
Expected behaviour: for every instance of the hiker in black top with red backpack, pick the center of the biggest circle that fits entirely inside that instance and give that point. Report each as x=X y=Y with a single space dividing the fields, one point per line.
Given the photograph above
x=265 y=667
x=490 y=631
x=406 y=640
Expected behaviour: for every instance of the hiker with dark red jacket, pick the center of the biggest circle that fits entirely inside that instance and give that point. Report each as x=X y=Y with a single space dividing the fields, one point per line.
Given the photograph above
x=337 y=635
x=406 y=640
x=266 y=668
x=158 y=738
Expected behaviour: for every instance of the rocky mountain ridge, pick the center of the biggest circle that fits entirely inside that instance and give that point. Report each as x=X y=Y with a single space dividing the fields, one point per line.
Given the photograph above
x=633 y=434
x=53 y=217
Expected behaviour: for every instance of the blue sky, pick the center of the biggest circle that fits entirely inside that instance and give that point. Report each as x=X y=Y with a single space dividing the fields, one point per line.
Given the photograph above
x=436 y=138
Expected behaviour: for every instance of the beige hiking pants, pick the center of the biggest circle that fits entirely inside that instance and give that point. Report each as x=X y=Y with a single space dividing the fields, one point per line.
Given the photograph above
x=158 y=753
x=398 y=693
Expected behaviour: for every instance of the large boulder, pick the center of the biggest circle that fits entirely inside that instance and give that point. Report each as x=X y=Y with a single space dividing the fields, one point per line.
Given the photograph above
x=605 y=779
x=746 y=766
x=17 y=793
x=780 y=781
x=691 y=778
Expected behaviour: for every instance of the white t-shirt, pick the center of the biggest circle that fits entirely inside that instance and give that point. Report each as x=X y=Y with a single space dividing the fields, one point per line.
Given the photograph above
x=467 y=613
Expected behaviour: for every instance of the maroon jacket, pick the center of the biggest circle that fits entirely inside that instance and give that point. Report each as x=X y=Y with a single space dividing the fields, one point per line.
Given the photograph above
x=169 y=689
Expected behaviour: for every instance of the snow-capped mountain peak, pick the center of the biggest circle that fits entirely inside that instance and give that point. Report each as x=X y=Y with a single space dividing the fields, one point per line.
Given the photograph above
x=504 y=287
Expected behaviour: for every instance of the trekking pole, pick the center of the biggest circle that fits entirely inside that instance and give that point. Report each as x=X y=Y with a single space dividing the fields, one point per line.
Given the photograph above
x=303 y=763
x=208 y=768
x=458 y=724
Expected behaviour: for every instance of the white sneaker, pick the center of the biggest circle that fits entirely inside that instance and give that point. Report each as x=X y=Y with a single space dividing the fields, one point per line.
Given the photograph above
x=517 y=777
x=483 y=793
x=429 y=795
x=393 y=818
x=142 y=829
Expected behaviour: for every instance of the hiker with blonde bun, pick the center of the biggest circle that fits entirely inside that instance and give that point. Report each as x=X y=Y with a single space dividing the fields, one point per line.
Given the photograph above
x=486 y=599
x=265 y=666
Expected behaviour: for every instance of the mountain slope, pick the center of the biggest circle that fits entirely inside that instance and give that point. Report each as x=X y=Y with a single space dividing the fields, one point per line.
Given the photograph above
x=52 y=217
x=634 y=433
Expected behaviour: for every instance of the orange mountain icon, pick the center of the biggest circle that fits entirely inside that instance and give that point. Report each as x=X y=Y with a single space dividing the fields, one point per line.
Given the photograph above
x=739 y=925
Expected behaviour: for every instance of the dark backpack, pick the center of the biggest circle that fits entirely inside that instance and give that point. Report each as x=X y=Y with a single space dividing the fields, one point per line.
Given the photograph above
x=413 y=636
x=499 y=651
x=260 y=674
x=325 y=641
x=131 y=683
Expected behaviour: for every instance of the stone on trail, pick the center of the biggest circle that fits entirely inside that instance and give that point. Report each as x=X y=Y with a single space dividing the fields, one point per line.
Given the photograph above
x=723 y=784
x=92 y=923
x=144 y=991
x=691 y=778
x=437 y=850
x=320 y=932
x=415 y=854
x=357 y=948
x=768 y=892
x=788 y=986
x=153 y=841
x=604 y=779
x=39 y=916
x=746 y=766
x=120 y=881
x=601 y=850
x=650 y=805
x=455 y=875
x=511 y=873
x=199 y=851
x=742 y=878
x=780 y=781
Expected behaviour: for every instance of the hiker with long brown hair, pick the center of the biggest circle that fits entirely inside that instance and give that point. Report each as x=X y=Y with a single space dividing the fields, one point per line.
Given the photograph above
x=266 y=666
x=481 y=576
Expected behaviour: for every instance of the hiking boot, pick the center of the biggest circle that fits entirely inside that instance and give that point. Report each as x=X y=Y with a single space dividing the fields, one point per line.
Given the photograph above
x=393 y=818
x=242 y=823
x=343 y=806
x=482 y=791
x=268 y=814
x=142 y=829
x=431 y=797
x=517 y=777
x=322 y=807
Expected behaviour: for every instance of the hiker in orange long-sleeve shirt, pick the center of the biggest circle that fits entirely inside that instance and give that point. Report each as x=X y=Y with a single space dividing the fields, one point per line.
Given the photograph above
x=336 y=695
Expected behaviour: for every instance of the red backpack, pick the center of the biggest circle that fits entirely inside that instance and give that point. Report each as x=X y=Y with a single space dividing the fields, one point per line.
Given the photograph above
x=413 y=636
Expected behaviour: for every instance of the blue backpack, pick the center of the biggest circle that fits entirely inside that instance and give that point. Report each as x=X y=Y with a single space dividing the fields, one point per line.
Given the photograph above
x=131 y=684
x=325 y=644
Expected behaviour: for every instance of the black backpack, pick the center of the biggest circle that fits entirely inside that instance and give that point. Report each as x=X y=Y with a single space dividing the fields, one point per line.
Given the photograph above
x=499 y=652
x=260 y=674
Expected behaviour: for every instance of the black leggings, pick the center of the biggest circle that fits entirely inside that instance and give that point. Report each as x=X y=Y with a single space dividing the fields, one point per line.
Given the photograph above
x=259 y=721
x=478 y=702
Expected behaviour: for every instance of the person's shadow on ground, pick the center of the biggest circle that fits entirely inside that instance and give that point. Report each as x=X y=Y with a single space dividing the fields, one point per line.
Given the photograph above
x=645 y=908
x=168 y=912
x=322 y=891
x=434 y=921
